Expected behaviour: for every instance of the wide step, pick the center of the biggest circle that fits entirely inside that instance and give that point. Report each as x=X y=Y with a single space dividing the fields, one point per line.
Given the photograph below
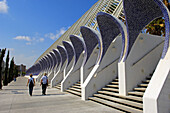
x=133 y=98
x=143 y=85
x=112 y=86
x=120 y=107
x=110 y=89
x=58 y=86
x=120 y=101
x=73 y=92
x=78 y=87
x=132 y=103
x=116 y=83
x=140 y=89
x=75 y=89
x=136 y=93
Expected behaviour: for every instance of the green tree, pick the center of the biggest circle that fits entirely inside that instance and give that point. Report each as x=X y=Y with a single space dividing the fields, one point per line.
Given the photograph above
x=1 y=60
x=157 y=26
x=5 y=81
x=11 y=70
x=167 y=3
x=16 y=71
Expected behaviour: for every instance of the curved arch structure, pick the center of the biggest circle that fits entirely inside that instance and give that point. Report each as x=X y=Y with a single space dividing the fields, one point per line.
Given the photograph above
x=78 y=46
x=139 y=13
x=90 y=42
x=74 y=75
x=41 y=65
x=57 y=67
x=136 y=51
x=35 y=69
x=142 y=48
x=60 y=71
x=45 y=65
x=63 y=53
x=58 y=60
x=53 y=65
x=110 y=27
x=54 y=59
x=50 y=63
x=92 y=56
x=70 y=54
x=156 y=97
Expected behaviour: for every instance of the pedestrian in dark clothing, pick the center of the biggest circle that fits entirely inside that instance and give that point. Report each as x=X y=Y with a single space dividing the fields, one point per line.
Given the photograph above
x=14 y=79
x=44 y=83
x=31 y=83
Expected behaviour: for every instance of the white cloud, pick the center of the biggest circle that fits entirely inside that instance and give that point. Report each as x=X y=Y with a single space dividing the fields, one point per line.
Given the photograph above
x=51 y=36
x=10 y=49
x=57 y=35
x=27 y=38
x=3 y=6
x=26 y=60
x=30 y=40
x=28 y=43
x=41 y=39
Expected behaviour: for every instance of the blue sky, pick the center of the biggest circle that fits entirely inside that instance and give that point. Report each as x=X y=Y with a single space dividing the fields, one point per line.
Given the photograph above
x=29 y=27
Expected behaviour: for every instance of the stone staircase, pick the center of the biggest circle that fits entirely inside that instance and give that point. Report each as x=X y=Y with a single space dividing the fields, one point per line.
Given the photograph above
x=132 y=103
x=75 y=89
x=58 y=86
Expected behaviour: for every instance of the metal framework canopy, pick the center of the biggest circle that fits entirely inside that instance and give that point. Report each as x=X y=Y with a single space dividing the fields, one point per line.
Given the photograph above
x=113 y=7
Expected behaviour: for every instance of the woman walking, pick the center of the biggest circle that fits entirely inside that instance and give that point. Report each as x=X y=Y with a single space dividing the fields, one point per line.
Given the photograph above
x=31 y=83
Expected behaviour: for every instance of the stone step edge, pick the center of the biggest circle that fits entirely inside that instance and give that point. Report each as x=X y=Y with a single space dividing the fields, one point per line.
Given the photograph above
x=119 y=100
x=73 y=92
x=114 y=105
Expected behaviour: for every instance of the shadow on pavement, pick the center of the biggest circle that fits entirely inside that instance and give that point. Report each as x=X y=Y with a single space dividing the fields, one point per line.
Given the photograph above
x=48 y=95
x=16 y=92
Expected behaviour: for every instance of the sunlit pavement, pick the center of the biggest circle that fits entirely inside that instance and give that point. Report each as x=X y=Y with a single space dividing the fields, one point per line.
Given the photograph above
x=14 y=98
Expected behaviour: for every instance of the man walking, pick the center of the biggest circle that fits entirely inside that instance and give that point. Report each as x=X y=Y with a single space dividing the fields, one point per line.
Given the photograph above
x=44 y=83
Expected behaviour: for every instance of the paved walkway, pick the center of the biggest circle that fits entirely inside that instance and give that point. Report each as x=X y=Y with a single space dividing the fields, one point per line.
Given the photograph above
x=14 y=98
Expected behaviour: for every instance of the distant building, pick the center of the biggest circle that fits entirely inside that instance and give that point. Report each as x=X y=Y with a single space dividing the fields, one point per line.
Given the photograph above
x=21 y=68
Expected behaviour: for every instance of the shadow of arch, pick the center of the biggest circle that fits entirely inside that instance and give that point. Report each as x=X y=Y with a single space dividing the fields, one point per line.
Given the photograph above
x=110 y=27
x=54 y=60
x=58 y=57
x=63 y=53
x=70 y=55
x=139 y=13
x=91 y=38
x=70 y=51
x=50 y=61
x=78 y=45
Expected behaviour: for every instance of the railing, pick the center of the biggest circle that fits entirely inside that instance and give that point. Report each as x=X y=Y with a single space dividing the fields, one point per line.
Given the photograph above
x=76 y=70
x=91 y=66
x=108 y=65
x=147 y=53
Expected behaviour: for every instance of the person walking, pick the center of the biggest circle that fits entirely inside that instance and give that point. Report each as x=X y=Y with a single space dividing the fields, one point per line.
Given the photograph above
x=44 y=83
x=14 y=79
x=31 y=83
